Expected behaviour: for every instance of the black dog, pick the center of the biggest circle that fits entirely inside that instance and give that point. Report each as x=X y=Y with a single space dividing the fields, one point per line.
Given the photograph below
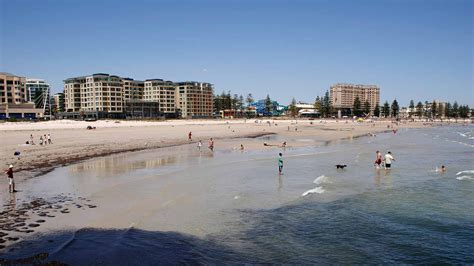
x=340 y=166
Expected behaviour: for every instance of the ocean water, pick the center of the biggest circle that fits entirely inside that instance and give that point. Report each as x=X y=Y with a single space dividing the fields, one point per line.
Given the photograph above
x=178 y=206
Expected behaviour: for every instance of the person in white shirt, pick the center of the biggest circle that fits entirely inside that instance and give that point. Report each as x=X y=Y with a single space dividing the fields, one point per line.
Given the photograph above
x=388 y=160
x=199 y=145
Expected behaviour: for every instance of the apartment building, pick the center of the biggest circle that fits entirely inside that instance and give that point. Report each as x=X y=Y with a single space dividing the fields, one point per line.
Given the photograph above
x=343 y=95
x=100 y=93
x=163 y=92
x=195 y=99
x=103 y=95
x=58 y=103
x=132 y=89
x=14 y=98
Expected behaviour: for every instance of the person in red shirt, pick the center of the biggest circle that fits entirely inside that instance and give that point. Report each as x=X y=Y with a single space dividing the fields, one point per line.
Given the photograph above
x=190 y=136
x=11 y=184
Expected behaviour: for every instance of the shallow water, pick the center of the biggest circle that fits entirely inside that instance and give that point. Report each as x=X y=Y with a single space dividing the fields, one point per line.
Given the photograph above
x=178 y=205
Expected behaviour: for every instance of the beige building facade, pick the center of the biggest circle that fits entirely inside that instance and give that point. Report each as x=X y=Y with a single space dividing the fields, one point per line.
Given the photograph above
x=343 y=95
x=13 y=98
x=132 y=89
x=163 y=92
x=195 y=99
x=94 y=93
x=110 y=94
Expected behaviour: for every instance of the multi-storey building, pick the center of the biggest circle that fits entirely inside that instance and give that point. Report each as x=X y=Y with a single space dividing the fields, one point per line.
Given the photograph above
x=194 y=99
x=343 y=95
x=58 y=103
x=132 y=89
x=38 y=93
x=98 y=93
x=104 y=95
x=13 y=98
x=163 y=92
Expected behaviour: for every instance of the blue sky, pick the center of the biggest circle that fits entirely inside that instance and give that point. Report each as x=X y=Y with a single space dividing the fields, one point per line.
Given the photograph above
x=415 y=49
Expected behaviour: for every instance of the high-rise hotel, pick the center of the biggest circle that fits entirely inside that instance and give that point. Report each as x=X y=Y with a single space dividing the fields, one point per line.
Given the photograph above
x=343 y=95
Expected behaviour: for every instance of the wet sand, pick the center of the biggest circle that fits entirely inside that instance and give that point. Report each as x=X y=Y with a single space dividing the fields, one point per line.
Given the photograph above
x=72 y=142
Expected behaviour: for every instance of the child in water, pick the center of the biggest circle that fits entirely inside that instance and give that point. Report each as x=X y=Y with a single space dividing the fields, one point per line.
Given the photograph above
x=280 y=163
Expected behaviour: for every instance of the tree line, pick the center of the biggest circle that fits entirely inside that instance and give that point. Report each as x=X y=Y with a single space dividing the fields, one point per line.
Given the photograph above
x=437 y=110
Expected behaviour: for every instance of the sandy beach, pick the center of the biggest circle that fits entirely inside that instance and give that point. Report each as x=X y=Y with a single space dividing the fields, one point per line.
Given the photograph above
x=142 y=185
x=72 y=142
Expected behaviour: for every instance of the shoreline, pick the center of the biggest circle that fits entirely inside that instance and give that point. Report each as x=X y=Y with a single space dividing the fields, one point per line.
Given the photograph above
x=37 y=170
x=72 y=143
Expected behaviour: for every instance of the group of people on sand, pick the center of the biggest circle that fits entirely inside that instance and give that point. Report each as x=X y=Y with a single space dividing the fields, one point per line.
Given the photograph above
x=387 y=160
x=43 y=140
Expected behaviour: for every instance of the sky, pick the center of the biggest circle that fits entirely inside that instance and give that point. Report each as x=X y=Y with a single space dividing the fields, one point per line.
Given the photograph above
x=411 y=49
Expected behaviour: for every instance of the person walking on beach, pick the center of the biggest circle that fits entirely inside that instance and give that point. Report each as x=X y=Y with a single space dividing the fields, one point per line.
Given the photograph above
x=11 y=182
x=31 y=139
x=190 y=136
x=199 y=145
x=45 y=141
x=378 y=159
x=388 y=160
x=41 y=140
x=211 y=144
x=280 y=163
x=49 y=139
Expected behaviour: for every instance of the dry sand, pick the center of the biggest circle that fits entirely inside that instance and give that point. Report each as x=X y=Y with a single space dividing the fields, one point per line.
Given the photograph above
x=72 y=142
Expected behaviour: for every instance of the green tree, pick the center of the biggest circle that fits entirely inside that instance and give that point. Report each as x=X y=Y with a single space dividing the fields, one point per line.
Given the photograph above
x=434 y=109
x=326 y=105
x=411 y=108
x=240 y=103
x=292 y=108
x=234 y=102
x=455 y=110
x=419 y=109
x=395 y=108
x=318 y=104
x=448 y=110
x=367 y=107
x=217 y=103
x=268 y=105
x=377 y=110
x=356 y=109
x=464 y=111
x=440 y=111
x=249 y=99
x=386 y=109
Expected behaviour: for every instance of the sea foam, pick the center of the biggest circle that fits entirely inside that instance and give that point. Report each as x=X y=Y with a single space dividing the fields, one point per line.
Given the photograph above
x=318 y=190
x=466 y=172
x=464 y=177
x=320 y=179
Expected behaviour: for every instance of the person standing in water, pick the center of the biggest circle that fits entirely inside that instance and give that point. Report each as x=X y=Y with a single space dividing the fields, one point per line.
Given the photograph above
x=199 y=145
x=211 y=144
x=280 y=163
x=378 y=159
x=11 y=182
x=388 y=160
